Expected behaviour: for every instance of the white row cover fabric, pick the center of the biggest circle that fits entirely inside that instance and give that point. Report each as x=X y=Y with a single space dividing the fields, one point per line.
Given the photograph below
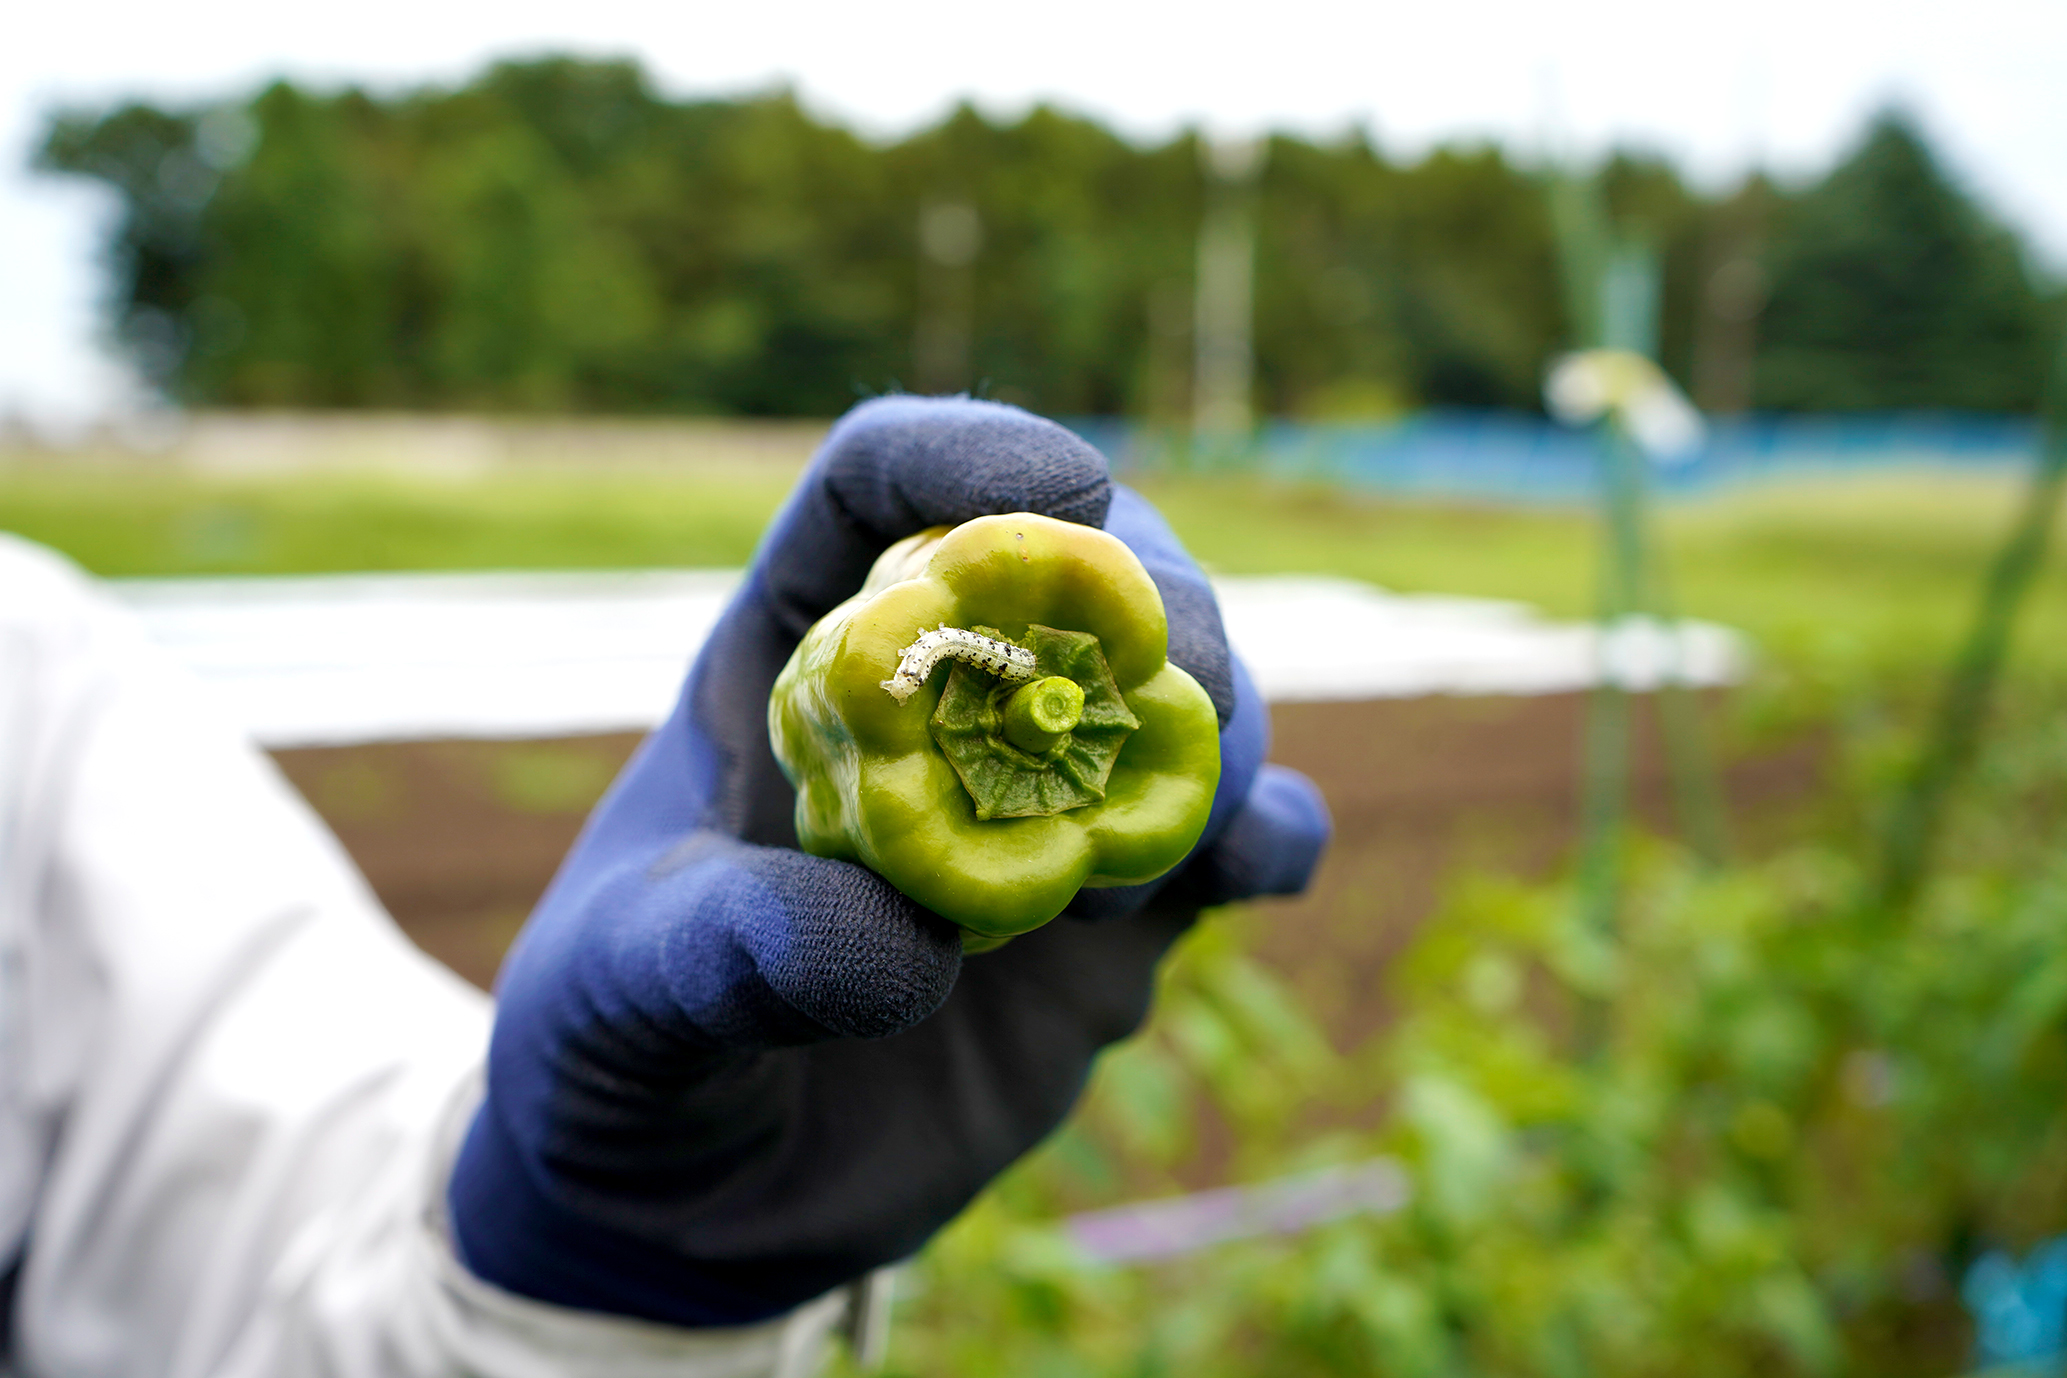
x=337 y=659
x=229 y=1087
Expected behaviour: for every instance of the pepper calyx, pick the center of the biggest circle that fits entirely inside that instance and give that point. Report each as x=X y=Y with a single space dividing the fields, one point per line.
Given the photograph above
x=1034 y=771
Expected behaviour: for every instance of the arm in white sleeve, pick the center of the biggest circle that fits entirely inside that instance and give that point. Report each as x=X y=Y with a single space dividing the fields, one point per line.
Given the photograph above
x=229 y=1087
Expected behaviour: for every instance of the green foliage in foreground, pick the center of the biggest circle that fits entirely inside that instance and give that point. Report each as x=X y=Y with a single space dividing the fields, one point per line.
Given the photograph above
x=1763 y=1133
x=1795 y=1122
x=1760 y=1123
x=1756 y=1118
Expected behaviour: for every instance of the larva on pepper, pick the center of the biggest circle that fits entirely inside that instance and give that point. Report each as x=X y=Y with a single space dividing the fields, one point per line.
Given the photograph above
x=1013 y=664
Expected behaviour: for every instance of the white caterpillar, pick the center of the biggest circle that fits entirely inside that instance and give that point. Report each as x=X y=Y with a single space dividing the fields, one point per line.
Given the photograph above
x=1001 y=658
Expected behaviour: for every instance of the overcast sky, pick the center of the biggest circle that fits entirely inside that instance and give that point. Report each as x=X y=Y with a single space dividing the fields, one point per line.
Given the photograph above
x=1784 y=83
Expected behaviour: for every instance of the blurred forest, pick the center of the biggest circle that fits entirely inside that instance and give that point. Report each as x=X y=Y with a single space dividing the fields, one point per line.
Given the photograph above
x=555 y=236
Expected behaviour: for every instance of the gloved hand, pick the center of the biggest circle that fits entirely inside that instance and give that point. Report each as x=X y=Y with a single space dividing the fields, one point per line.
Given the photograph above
x=726 y=1076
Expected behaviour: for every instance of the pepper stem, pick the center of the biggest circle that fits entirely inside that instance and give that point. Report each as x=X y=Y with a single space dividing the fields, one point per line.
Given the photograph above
x=1039 y=715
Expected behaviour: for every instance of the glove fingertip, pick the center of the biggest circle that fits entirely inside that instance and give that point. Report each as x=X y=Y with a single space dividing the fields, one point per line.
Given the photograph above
x=854 y=955
x=1272 y=845
x=901 y=463
x=1198 y=640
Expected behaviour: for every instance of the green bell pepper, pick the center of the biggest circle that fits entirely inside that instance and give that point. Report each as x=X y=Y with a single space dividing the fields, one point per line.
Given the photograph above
x=1059 y=750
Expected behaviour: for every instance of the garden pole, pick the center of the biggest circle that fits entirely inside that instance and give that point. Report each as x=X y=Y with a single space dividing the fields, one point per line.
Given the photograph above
x=1579 y=224
x=1914 y=824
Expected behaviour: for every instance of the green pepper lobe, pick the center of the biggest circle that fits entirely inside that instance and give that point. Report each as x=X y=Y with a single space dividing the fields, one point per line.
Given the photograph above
x=984 y=802
x=975 y=717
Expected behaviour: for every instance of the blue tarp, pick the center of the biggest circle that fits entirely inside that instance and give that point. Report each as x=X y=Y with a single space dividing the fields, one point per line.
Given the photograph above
x=1516 y=457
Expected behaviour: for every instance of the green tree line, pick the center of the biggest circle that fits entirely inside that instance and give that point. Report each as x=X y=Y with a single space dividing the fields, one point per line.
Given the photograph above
x=555 y=235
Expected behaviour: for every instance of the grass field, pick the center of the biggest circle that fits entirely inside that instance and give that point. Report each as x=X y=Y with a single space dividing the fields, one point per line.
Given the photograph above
x=1837 y=581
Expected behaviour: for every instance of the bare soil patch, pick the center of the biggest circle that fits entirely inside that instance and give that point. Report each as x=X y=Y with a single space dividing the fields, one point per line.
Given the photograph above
x=459 y=838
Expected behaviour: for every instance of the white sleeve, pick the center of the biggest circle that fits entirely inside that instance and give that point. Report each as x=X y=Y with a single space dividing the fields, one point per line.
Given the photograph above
x=229 y=1087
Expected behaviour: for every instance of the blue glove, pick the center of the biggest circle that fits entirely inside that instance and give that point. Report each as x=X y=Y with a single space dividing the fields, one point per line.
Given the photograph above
x=726 y=1076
